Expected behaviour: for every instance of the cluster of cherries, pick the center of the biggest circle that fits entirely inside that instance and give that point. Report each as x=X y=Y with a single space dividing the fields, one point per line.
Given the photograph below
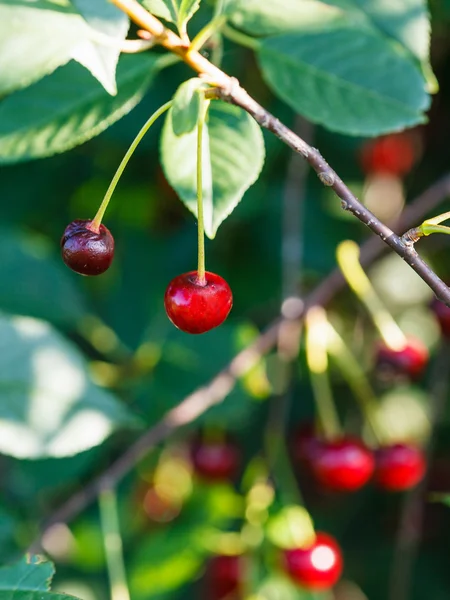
x=315 y=566
x=192 y=305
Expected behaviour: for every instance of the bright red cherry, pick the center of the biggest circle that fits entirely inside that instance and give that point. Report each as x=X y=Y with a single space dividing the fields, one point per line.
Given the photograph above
x=86 y=251
x=315 y=567
x=224 y=574
x=409 y=361
x=442 y=314
x=344 y=465
x=196 y=308
x=399 y=467
x=393 y=154
x=215 y=461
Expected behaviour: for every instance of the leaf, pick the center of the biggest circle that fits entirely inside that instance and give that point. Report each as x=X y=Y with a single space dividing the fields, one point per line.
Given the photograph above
x=28 y=271
x=174 y=11
x=101 y=58
x=68 y=108
x=30 y=573
x=405 y=21
x=35 y=39
x=281 y=16
x=324 y=76
x=186 y=106
x=49 y=406
x=233 y=156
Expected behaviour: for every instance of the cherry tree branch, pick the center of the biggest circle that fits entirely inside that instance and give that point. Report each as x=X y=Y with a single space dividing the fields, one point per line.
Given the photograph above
x=227 y=88
x=220 y=386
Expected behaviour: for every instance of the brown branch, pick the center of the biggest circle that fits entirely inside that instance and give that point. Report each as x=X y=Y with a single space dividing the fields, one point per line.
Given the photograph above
x=227 y=88
x=221 y=385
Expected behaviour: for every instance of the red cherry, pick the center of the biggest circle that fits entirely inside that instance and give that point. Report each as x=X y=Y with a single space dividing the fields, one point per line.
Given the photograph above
x=159 y=507
x=344 y=465
x=86 y=251
x=442 y=314
x=318 y=566
x=196 y=308
x=399 y=467
x=215 y=461
x=409 y=361
x=224 y=577
x=392 y=154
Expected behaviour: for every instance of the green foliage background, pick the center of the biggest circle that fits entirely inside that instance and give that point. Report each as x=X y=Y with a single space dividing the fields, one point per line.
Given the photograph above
x=87 y=364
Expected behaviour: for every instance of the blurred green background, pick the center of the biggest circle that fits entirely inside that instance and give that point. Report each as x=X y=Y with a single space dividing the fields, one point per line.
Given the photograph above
x=119 y=324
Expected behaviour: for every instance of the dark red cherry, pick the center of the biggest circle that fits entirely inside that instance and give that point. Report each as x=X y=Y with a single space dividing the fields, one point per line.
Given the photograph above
x=315 y=567
x=196 y=308
x=223 y=575
x=399 y=467
x=85 y=251
x=442 y=314
x=409 y=361
x=344 y=465
x=215 y=461
x=304 y=444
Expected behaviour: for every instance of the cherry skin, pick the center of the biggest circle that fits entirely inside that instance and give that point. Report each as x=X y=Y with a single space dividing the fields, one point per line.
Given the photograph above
x=305 y=444
x=85 y=251
x=442 y=314
x=343 y=465
x=409 y=361
x=215 y=461
x=196 y=308
x=223 y=577
x=315 y=567
x=392 y=154
x=399 y=467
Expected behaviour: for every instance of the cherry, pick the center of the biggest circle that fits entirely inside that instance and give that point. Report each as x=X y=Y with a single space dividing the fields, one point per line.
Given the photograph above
x=315 y=567
x=344 y=465
x=392 y=154
x=409 y=361
x=86 y=251
x=224 y=577
x=196 y=308
x=442 y=314
x=215 y=461
x=399 y=467
x=305 y=444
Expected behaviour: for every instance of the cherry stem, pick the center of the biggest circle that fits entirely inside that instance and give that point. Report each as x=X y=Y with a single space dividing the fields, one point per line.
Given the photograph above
x=112 y=539
x=317 y=359
x=356 y=378
x=348 y=259
x=201 y=278
x=96 y=222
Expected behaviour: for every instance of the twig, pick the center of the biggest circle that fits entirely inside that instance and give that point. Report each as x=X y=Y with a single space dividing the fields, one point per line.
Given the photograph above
x=221 y=385
x=227 y=88
x=411 y=519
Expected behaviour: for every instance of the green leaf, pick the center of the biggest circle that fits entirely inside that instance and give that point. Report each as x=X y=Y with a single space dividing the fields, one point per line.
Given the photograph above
x=233 y=156
x=68 y=108
x=21 y=595
x=101 y=58
x=49 y=406
x=281 y=16
x=325 y=77
x=35 y=39
x=405 y=21
x=28 y=271
x=30 y=573
x=186 y=106
x=174 y=11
